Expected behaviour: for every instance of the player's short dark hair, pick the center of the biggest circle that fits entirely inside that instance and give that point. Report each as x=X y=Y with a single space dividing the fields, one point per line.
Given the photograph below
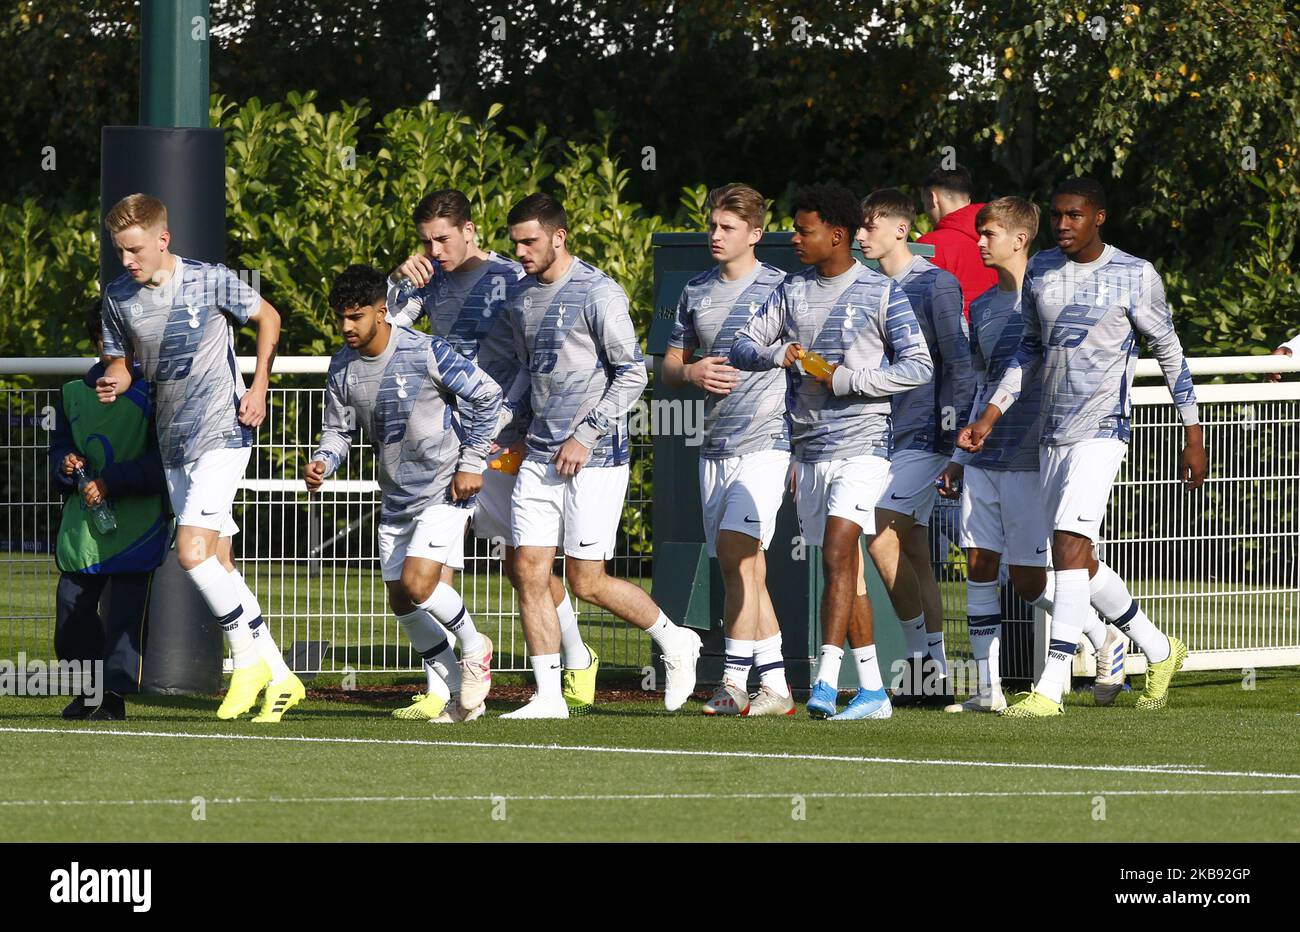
x=358 y=286
x=956 y=181
x=449 y=203
x=543 y=208
x=835 y=204
x=888 y=202
x=92 y=316
x=1089 y=189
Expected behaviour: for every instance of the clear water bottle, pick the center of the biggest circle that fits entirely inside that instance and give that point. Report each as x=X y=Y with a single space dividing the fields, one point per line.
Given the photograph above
x=102 y=514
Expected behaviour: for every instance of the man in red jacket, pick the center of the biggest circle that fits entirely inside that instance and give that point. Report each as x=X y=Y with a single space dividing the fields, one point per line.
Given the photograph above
x=946 y=195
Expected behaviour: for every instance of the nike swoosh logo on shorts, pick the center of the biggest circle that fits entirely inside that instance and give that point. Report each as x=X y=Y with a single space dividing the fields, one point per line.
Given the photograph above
x=588 y=543
x=207 y=514
x=896 y=495
x=749 y=520
x=1082 y=518
x=1041 y=550
x=860 y=508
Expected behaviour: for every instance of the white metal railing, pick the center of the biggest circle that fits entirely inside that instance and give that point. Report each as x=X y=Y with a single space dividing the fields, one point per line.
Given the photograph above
x=1219 y=568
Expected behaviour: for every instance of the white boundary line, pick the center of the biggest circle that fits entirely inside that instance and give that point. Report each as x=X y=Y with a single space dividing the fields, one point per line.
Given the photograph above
x=638 y=797
x=1174 y=769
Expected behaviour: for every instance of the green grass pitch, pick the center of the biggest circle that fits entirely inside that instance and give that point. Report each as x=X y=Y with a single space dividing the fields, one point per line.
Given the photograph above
x=1221 y=763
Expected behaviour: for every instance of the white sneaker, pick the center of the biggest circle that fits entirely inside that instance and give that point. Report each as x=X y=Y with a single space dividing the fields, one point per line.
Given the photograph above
x=455 y=714
x=537 y=707
x=476 y=675
x=680 y=668
x=1110 y=667
x=727 y=700
x=992 y=701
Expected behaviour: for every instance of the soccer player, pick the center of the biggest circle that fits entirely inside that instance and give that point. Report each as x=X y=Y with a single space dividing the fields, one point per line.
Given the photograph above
x=582 y=372
x=1084 y=305
x=946 y=194
x=1002 y=511
x=430 y=415
x=462 y=289
x=861 y=323
x=925 y=423
x=175 y=316
x=746 y=452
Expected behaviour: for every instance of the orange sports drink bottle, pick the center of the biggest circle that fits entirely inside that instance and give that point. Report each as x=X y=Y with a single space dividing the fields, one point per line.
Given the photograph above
x=816 y=365
x=507 y=462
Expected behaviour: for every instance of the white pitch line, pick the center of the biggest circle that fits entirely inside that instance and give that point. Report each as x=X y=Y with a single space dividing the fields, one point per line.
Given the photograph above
x=1172 y=769
x=640 y=797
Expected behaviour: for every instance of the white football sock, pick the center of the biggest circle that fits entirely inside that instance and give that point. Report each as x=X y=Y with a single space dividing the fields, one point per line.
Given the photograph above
x=864 y=658
x=430 y=641
x=262 y=637
x=828 y=665
x=984 y=625
x=935 y=651
x=770 y=663
x=546 y=671
x=1111 y=597
x=735 y=665
x=213 y=583
x=1094 y=629
x=446 y=605
x=665 y=633
x=1072 y=607
x=576 y=655
x=914 y=635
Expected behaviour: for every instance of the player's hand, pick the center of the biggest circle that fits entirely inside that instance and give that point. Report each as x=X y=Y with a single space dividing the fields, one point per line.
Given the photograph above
x=313 y=473
x=1280 y=351
x=793 y=353
x=71 y=463
x=949 y=481
x=106 y=388
x=464 y=485
x=571 y=457
x=712 y=374
x=418 y=268
x=971 y=437
x=1195 y=463
x=792 y=477
x=252 y=407
x=94 y=492
x=828 y=381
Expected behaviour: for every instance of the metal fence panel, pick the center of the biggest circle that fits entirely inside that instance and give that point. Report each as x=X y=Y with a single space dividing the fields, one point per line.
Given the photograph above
x=1218 y=569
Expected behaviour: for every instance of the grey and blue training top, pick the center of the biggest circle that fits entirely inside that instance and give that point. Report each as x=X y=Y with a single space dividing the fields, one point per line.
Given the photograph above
x=1082 y=321
x=427 y=411
x=710 y=312
x=860 y=320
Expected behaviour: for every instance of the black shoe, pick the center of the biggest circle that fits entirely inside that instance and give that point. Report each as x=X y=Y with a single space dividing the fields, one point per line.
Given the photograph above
x=77 y=708
x=112 y=709
x=923 y=682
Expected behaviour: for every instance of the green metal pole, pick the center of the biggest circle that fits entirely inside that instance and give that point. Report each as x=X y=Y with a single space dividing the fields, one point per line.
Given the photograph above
x=174 y=63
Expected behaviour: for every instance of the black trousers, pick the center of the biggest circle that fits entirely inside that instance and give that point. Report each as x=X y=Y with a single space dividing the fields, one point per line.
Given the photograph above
x=116 y=635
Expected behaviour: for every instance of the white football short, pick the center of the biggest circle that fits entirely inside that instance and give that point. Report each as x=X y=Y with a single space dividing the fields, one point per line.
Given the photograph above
x=492 y=508
x=1002 y=511
x=579 y=513
x=846 y=488
x=437 y=533
x=203 y=492
x=743 y=493
x=1077 y=479
x=910 y=489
